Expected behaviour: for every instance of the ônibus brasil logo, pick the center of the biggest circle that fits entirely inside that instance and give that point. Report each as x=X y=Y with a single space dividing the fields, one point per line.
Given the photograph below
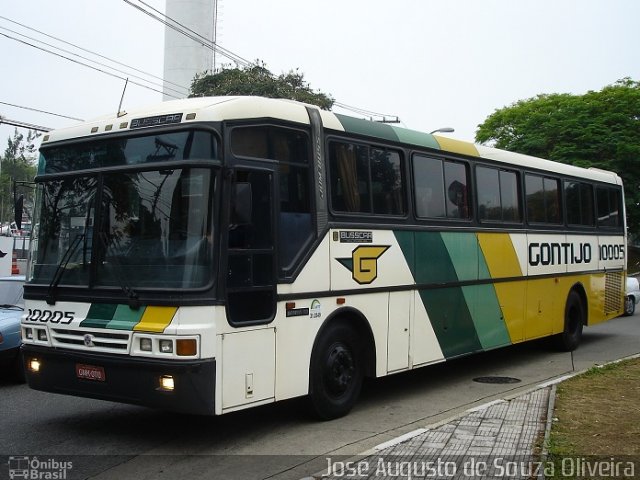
x=33 y=468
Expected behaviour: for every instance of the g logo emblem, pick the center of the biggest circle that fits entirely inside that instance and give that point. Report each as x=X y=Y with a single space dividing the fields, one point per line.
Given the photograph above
x=363 y=263
x=88 y=340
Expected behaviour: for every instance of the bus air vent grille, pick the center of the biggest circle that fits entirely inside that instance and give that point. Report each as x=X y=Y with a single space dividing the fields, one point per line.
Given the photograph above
x=91 y=340
x=613 y=293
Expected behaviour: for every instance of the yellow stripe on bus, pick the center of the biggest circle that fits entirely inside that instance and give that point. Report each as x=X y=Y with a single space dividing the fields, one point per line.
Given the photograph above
x=502 y=262
x=457 y=146
x=500 y=255
x=156 y=319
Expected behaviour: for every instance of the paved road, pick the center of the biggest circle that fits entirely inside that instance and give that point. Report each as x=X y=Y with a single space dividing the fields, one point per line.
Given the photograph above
x=113 y=441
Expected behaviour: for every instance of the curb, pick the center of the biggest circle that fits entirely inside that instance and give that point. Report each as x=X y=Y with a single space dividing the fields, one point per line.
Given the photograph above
x=550 y=408
x=547 y=431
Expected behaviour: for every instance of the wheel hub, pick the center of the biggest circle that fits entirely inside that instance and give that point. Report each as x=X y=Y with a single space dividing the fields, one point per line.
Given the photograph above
x=340 y=369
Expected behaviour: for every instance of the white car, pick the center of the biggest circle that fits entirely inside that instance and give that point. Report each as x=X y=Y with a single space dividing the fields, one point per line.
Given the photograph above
x=631 y=296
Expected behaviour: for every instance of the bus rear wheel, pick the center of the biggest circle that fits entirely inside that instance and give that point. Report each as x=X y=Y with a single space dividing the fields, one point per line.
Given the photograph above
x=574 y=320
x=336 y=372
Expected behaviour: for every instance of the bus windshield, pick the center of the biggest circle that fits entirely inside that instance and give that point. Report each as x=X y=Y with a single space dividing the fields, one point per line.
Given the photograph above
x=146 y=229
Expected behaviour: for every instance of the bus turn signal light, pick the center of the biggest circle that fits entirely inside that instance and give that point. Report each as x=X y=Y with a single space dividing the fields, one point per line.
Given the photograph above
x=186 y=347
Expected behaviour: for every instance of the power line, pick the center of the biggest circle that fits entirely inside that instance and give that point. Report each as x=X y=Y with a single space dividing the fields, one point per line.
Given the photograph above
x=42 y=111
x=90 y=52
x=362 y=111
x=187 y=32
x=83 y=64
x=90 y=60
x=211 y=44
x=177 y=26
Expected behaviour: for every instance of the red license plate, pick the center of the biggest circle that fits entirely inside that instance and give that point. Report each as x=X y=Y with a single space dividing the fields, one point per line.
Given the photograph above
x=90 y=372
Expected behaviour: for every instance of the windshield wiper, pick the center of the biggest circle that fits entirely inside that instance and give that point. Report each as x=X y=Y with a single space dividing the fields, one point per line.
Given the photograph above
x=62 y=267
x=132 y=295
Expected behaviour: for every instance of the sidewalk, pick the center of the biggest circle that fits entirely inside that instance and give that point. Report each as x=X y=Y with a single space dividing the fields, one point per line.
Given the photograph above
x=494 y=440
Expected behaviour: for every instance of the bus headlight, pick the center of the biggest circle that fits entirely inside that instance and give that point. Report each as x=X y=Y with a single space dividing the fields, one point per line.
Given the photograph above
x=166 y=383
x=33 y=365
x=145 y=344
x=166 y=346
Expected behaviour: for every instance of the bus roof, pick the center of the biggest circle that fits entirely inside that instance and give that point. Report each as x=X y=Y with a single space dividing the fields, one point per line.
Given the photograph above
x=204 y=109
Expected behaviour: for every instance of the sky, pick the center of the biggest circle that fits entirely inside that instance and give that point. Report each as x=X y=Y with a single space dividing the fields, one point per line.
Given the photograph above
x=433 y=64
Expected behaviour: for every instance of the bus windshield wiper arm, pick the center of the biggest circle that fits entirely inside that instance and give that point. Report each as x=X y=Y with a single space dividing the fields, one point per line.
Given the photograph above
x=132 y=295
x=62 y=267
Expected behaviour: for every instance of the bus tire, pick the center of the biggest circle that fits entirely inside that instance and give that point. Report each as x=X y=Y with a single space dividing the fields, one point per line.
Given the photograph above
x=336 y=372
x=574 y=319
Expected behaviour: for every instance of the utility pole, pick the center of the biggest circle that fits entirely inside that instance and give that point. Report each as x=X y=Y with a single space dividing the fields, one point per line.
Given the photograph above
x=185 y=57
x=215 y=34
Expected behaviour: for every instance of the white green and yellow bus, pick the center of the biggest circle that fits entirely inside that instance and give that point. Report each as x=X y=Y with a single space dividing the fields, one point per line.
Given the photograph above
x=208 y=255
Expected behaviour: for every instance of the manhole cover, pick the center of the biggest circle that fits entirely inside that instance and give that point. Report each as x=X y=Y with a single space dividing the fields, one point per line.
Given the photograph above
x=496 y=380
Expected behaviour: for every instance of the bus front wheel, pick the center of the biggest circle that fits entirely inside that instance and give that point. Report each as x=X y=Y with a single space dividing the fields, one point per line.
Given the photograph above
x=336 y=372
x=574 y=319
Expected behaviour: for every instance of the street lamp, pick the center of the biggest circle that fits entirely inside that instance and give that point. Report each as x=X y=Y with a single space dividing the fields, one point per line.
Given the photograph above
x=443 y=130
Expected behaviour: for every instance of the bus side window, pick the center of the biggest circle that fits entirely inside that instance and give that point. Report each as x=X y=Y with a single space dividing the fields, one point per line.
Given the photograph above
x=543 y=199
x=290 y=148
x=429 y=187
x=442 y=188
x=609 y=207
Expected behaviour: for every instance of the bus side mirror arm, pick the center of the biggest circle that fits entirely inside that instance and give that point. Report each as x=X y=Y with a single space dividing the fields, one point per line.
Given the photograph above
x=19 y=210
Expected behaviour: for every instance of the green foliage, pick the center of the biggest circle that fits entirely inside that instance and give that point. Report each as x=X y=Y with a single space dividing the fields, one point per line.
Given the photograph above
x=258 y=80
x=598 y=129
x=18 y=164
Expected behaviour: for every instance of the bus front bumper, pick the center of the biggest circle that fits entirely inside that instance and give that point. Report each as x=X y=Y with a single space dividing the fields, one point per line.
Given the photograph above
x=124 y=379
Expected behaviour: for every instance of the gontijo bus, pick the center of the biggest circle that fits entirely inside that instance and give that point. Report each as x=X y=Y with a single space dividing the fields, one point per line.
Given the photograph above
x=213 y=254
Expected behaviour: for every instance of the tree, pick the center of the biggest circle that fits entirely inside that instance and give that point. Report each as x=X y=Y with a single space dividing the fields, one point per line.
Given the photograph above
x=18 y=164
x=598 y=129
x=257 y=80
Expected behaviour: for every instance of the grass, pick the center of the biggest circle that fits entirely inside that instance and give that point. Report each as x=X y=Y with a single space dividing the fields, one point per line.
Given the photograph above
x=597 y=414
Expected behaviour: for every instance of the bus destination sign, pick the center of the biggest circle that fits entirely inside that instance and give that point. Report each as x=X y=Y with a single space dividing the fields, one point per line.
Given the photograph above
x=156 y=120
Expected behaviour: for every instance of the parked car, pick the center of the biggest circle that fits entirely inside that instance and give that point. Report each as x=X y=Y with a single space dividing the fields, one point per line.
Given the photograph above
x=11 y=309
x=631 y=296
x=11 y=229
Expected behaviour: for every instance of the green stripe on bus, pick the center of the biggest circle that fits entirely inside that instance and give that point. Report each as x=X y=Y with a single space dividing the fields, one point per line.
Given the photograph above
x=125 y=318
x=482 y=301
x=463 y=251
x=416 y=138
x=432 y=261
x=406 y=242
x=465 y=319
x=451 y=321
x=99 y=315
x=487 y=316
x=365 y=127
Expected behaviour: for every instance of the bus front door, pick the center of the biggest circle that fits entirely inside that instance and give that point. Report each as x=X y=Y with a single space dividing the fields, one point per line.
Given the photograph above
x=248 y=354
